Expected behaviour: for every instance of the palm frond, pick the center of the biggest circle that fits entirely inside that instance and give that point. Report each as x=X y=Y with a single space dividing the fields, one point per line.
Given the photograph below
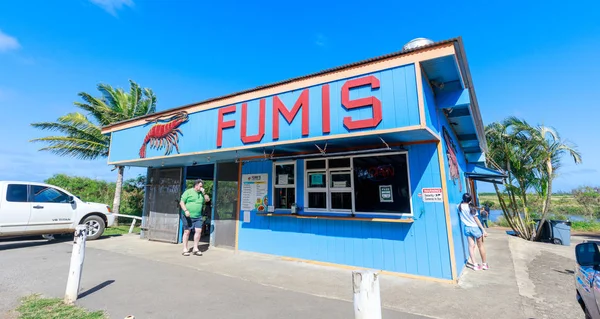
x=74 y=147
x=70 y=130
x=151 y=98
x=82 y=136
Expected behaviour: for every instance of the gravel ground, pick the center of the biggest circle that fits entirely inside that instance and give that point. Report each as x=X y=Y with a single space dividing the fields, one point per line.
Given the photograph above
x=554 y=283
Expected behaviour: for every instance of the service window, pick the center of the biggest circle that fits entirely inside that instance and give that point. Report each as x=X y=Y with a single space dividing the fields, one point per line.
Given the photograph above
x=16 y=193
x=373 y=184
x=284 y=185
x=381 y=184
x=329 y=184
x=44 y=194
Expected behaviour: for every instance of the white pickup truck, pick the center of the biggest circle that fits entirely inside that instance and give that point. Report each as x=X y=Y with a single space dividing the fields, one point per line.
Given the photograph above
x=28 y=208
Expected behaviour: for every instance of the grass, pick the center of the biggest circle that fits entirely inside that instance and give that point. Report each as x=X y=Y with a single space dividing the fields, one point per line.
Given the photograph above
x=577 y=226
x=564 y=204
x=36 y=307
x=586 y=226
x=120 y=230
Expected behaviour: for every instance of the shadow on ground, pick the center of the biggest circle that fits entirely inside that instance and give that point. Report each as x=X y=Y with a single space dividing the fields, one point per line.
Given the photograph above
x=95 y=289
x=27 y=242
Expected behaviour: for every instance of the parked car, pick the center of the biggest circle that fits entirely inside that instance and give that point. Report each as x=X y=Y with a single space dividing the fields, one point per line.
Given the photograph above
x=28 y=208
x=587 y=278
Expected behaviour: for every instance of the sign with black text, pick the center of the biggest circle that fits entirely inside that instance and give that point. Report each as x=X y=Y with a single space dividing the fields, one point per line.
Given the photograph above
x=385 y=194
x=433 y=194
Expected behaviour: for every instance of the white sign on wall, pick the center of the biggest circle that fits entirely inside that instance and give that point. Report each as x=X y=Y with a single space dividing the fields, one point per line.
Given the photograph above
x=255 y=189
x=433 y=194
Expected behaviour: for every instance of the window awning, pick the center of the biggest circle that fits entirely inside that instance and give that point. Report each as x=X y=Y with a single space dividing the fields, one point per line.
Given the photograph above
x=484 y=174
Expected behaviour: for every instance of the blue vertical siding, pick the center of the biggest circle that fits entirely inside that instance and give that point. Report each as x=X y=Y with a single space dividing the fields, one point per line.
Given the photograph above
x=455 y=191
x=397 y=93
x=420 y=248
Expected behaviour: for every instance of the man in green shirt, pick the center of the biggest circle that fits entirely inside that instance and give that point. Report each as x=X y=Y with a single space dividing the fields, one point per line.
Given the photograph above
x=192 y=203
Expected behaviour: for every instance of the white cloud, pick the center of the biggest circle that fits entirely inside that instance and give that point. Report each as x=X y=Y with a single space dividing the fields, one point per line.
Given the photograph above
x=111 y=6
x=7 y=42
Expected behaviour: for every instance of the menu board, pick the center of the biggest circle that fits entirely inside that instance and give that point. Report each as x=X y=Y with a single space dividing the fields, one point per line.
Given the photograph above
x=255 y=189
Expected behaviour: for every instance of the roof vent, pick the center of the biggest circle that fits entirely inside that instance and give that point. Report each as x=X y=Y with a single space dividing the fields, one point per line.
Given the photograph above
x=416 y=43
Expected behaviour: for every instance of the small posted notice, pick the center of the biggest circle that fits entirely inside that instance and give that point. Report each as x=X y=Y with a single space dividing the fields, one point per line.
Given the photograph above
x=282 y=179
x=254 y=192
x=385 y=194
x=433 y=194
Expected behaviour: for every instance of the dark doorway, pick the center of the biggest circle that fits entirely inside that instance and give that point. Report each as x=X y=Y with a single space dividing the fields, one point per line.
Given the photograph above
x=226 y=205
x=206 y=173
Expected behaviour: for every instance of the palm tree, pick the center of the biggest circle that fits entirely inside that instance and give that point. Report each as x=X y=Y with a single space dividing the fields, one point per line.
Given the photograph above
x=550 y=148
x=506 y=153
x=82 y=137
x=531 y=157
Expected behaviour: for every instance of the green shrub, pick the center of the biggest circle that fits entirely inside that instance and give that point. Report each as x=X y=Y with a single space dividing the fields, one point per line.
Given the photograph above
x=557 y=216
x=502 y=222
x=570 y=210
x=586 y=226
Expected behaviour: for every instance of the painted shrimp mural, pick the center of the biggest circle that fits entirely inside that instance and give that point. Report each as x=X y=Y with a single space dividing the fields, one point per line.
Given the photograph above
x=164 y=133
x=452 y=161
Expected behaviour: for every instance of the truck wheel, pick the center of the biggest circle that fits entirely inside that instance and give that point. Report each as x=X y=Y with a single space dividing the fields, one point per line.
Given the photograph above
x=95 y=227
x=557 y=241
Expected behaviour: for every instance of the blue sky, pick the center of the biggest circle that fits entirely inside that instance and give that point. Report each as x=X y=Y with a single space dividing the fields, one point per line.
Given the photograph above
x=535 y=61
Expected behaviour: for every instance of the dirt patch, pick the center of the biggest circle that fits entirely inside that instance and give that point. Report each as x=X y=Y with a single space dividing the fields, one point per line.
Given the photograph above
x=553 y=278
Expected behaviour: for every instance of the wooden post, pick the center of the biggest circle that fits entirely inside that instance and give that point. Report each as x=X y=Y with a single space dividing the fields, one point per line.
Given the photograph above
x=367 y=301
x=77 y=257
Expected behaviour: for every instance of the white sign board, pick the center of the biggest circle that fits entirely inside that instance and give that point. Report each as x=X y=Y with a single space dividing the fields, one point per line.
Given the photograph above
x=254 y=192
x=433 y=194
x=282 y=179
x=246 y=216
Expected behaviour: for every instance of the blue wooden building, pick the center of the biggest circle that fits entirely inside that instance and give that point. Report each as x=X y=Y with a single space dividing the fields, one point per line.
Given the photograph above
x=361 y=165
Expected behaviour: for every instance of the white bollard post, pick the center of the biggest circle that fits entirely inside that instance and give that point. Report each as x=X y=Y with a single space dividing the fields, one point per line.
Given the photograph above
x=367 y=300
x=132 y=225
x=77 y=257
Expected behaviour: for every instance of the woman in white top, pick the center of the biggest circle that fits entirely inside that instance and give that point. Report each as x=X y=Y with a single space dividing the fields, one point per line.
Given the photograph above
x=474 y=232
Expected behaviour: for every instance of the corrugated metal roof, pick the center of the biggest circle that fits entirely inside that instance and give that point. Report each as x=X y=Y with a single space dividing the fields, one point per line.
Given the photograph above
x=331 y=70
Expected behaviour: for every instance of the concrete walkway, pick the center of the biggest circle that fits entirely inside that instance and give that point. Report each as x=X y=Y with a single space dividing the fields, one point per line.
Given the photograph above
x=545 y=278
x=126 y=275
x=127 y=285
x=438 y=300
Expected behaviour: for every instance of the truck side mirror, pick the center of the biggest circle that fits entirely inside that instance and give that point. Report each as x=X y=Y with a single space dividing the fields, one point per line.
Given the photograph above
x=587 y=254
x=71 y=199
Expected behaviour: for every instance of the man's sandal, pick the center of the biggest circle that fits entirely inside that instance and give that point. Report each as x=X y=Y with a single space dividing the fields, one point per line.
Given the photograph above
x=185 y=253
x=198 y=253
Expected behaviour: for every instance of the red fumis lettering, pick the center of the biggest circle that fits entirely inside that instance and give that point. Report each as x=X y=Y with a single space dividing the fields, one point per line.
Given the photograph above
x=224 y=124
x=326 y=124
x=261 y=124
x=280 y=108
x=372 y=101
